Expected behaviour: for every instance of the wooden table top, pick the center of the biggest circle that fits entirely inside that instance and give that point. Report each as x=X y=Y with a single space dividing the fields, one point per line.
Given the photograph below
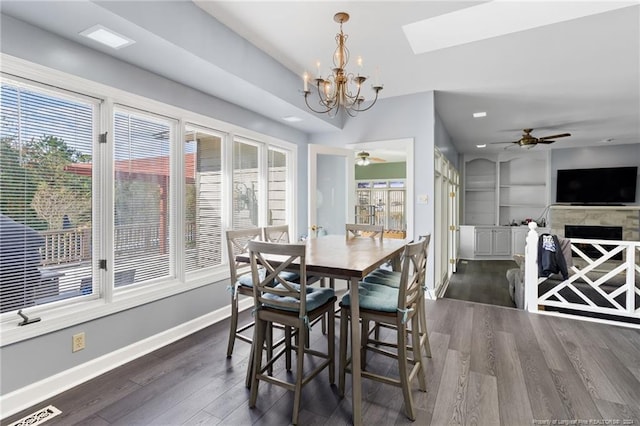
x=334 y=256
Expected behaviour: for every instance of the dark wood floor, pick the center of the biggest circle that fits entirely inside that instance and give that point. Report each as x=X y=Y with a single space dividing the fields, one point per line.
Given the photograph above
x=491 y=366
x=481 y=281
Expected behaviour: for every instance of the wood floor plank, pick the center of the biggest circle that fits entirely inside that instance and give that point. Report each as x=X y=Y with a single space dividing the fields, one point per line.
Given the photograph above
x=627 y=385
x=482 y=407
x=483 y=357
x=550 y=345
x=434 y=368
x=543 y=396
x=594 y=378
x=613 y=412
x=574 y=396
x=515 y=408
x=449 y=407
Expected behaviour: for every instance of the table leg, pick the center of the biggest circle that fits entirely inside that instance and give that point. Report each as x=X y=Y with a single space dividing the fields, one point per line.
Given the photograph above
x=356 y=379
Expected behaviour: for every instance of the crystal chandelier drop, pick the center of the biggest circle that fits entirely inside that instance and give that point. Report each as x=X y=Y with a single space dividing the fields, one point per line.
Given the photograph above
x=341 y=89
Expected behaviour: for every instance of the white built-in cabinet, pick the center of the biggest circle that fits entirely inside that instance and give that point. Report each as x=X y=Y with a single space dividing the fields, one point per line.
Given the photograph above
x=500 y=189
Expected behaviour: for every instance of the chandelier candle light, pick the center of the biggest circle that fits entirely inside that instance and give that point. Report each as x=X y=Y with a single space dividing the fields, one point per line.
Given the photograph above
x=341 y=89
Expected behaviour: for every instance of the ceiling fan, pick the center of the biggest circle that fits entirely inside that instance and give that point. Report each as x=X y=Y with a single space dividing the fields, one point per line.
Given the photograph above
x=364 y=159
x=529 y=141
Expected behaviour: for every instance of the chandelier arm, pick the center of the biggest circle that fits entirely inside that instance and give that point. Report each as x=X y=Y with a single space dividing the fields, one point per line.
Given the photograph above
x=306 y=101
x=377 y=89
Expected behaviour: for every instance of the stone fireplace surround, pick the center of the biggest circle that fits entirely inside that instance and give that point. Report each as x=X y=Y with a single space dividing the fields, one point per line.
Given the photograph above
x=626 y=216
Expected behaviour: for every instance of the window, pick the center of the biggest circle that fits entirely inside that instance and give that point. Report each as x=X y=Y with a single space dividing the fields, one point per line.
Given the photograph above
x=277 y=200
x=246 y=192
x=46 y=143
x=203 y=198
x=149 y=201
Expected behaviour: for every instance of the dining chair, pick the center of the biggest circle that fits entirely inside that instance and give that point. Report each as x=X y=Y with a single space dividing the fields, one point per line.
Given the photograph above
x=241 y=280
x=293 y=306
x=280 y=234
x=394 y=306
x=392 y=279
x=355 y=230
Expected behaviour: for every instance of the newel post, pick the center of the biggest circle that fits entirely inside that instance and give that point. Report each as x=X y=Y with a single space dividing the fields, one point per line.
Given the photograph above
x=531 y=269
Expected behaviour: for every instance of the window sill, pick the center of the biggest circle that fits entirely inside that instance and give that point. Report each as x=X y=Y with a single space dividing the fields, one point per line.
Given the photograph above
x=68 y=315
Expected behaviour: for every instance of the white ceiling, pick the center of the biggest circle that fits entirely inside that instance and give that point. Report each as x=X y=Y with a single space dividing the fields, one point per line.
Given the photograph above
x=580 y=76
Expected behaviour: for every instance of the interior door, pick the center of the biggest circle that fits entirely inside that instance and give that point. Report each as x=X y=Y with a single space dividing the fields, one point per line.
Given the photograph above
x=331 y=188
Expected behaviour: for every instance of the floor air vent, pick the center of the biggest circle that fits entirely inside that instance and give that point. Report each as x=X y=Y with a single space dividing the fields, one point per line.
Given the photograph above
x=39 y=417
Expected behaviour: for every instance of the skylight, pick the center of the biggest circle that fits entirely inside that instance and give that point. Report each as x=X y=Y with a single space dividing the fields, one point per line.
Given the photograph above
x=497 y=18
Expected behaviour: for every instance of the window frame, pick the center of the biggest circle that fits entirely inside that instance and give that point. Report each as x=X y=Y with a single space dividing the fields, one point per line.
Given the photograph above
x=79 y=310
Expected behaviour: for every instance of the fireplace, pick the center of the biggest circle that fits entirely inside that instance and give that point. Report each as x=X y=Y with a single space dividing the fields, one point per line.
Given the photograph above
x=593 y=233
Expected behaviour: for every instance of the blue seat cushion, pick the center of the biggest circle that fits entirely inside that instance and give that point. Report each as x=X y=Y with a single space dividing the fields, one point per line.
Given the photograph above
x=387 y=279
x=316 y=297
x=375 y=297
x=247 y=281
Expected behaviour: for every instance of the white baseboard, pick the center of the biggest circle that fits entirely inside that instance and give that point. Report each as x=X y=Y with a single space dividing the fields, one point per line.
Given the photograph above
x=37 y=392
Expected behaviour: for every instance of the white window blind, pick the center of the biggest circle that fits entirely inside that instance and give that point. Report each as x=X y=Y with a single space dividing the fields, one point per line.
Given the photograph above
x=46 y=140
x=246 y=179
x=142 y=173
x=277 y=197
x=203 y=198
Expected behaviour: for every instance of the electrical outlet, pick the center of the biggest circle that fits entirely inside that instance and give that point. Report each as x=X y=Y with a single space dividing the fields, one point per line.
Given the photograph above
x=78 y=342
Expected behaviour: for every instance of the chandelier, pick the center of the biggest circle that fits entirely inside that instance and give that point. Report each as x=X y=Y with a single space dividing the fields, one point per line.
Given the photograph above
x=341 y=89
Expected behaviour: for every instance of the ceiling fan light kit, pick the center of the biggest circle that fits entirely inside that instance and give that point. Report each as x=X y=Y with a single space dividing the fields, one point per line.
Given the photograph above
x=341 y=89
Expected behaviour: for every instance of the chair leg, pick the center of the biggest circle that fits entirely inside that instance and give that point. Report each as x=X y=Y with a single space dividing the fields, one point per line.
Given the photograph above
x=323 y=284
x=424 y=341
x=299 y=372
x=416 y=345
x=331 y=348
x=233 y=325
x=404 y=371
x=342 y=363
x=269 y=344
x=287 y=343
x=364 y=332
x=258 y=345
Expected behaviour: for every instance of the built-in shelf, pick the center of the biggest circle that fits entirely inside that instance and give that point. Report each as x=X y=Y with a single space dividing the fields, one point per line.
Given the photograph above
x=503 y=188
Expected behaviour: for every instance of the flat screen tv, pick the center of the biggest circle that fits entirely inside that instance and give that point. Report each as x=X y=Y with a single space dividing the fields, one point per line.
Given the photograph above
x=612 y=185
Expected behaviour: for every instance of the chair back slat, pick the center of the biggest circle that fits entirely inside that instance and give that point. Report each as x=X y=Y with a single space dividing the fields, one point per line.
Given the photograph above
x=276 y=234
x=355 y=230
x=411 y=278
x=275 y=258
x=237 y=243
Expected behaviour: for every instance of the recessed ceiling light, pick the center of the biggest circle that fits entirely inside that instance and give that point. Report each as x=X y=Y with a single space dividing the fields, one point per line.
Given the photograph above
x=292 y=119
x=107 y=37
x=479 y=114
x=484 y=145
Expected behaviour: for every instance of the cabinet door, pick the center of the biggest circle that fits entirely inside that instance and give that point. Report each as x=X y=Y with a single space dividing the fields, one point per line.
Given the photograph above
x=483 y=242
x=502 y=241
x=518 y=239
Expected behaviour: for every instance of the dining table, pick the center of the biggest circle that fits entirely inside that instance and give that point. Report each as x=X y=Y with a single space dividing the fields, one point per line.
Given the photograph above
x=335 y=256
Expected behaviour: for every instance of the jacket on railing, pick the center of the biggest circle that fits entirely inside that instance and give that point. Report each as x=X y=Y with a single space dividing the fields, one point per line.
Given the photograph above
x=550 y=257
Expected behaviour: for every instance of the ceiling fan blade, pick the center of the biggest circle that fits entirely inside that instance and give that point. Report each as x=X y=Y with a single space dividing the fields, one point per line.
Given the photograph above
x=503 y=142
x=377 y=159
x=547 y=142
x=562 y=135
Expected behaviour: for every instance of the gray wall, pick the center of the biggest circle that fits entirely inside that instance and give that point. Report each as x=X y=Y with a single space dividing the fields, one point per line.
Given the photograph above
x=399 y=118
x=24 y=363
x=444 y=144
x=593 y=157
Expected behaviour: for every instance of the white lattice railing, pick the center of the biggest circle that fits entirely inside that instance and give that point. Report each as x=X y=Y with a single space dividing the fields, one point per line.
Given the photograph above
x=602 y=289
